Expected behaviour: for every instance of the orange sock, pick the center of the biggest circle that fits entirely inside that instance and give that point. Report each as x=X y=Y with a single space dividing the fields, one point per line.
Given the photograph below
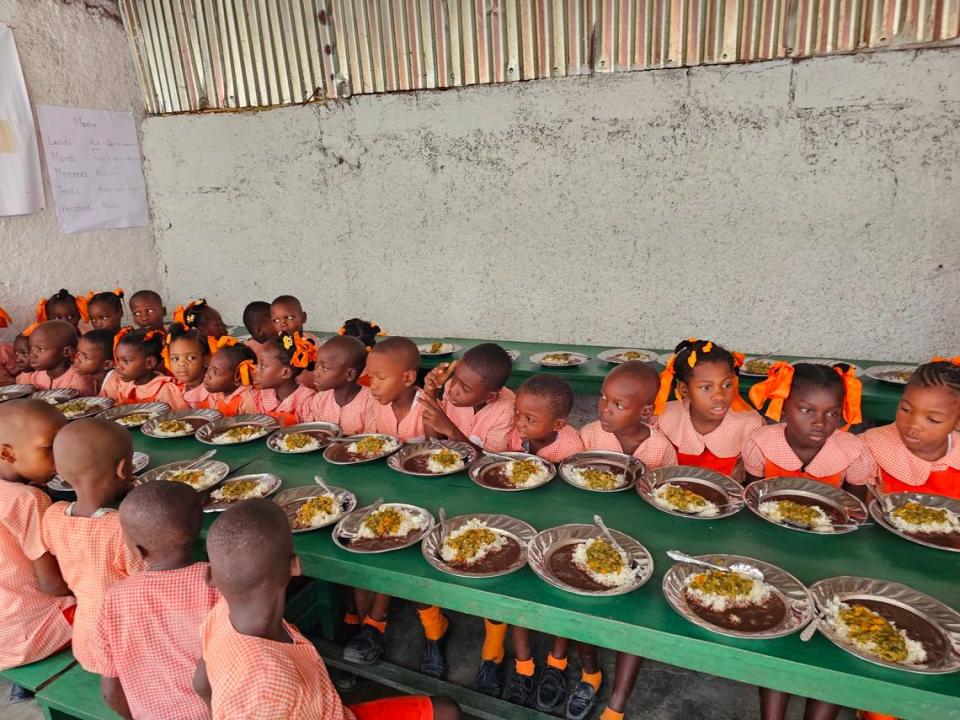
x=558 y=663
x=525 y=667
x=351 y=619
x=493 y=640
x=380 y=625
x=434 y=622
x=593 y=679
x=609 y=714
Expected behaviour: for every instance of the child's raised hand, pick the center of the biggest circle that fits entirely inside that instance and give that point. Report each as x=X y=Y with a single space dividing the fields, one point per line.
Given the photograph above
x=435 y=379
x=434 y=418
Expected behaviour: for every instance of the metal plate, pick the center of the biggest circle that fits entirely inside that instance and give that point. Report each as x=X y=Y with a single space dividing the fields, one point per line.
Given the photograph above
x=485 y=462
x=943 y=618
x=447 y=349
x=544 y=544
x=271 y=481
x=573 y=360
x=291 y=500
x=12 y=392
x=398 y=460
x=615 y=356
x=704 y=477
x=323 y=432
x=56 y=395
x=517 y=530
x=208 y=432
x=158 y=473
x=890 y=374
x=196 y=418
x=350 y=521
x=633 y=469
x=152 y=409
x=850 y=507
x=140 y=461
x=898 y=499
x=336 y=456
x=791 y=591
x=747 y=372
x=95 y=406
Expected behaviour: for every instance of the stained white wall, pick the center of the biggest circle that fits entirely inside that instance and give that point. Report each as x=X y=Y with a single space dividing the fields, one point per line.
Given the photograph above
x=806 y=207
x=77 y=57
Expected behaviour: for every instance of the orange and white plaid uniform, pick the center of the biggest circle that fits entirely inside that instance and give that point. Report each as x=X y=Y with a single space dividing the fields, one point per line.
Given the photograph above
x=32 y=624
x=719 y=449
x=148 y=636
x=294 y=408
x=92 y=556
x=197 y=397
x=160 y=388
x=352 y=418
x=843 y=457
x=902 y=471
x=566 y=443
x=656 y=451
x=488 y=427
x=25 y=378
x=258 y=679
x=84 y=384
x=8 y=364
x=229 y=405
x=409 y=429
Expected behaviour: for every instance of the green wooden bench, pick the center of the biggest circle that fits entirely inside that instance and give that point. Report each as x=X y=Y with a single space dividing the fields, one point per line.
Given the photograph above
x=36 y=675
x=74 y=694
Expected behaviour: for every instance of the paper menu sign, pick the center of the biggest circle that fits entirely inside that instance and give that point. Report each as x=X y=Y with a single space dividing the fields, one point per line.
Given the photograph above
x=21 y=185
x=93 y=161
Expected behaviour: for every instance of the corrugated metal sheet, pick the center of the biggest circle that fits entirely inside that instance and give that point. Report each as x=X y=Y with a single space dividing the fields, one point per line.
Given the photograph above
x=219 y=54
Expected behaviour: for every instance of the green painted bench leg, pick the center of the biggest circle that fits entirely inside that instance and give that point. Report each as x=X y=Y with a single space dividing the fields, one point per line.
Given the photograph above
x=317 y=605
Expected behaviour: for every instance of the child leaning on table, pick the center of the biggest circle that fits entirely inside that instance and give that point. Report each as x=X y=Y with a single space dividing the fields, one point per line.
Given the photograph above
x=257 y=665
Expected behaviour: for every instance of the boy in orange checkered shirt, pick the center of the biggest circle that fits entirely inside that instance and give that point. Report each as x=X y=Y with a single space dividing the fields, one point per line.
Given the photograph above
x=96 y=458
x=52 y=347
x=340 y=398
x=152 y=620
x=256 y=665
x=35 y=602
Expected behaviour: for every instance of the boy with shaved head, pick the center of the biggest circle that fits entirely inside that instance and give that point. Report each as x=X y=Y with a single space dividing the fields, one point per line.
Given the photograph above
x=35 y=602
x=153 y=619
x=392 y=366
x=95 y=457
x=52 y=347
x=340 y=398
x=256 y=665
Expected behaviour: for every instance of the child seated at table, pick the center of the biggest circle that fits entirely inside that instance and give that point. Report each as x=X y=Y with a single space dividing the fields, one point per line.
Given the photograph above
x=709 y=422
x=229 y=378
x=277 y=393
x=52 y=346
x=257 y=321
x=137 y=355
x=198 y=315
x=21 y=356
x=106 y=310
x=287 y=316
x=814 y=402
x=36 y=607
x=64 y=306
x=187 y=355
x=148 y=633
x=476 y=407
x=148 y=310
x=920 y=450
x=540 y=427
x=340 y=398
x=94 y=356
x=255 y=664
x=365 y=331
x=95 y=457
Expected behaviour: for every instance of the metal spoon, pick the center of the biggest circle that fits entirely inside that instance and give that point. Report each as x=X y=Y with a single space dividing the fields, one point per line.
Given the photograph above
x=810 y=629
x=435 y=443
x=369 y=510
x=835 y=526
x=206 y=456
x=324 y=488
x=598 y=521
x=442 y=517
x=740 y=567
x=883 y=502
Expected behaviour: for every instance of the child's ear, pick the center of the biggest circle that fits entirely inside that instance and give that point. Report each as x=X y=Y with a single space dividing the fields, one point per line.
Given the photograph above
x=682 y=389
x=123 y=469
x=646 y=412
x=303 y=318
x=287 y=372
x=409 y=377
x=296 y=568
x=7 y=454
x=140 y=552
x=151 y=363
x=68 y=352
x=559 y=424
x=108 y=364
x=351 y=374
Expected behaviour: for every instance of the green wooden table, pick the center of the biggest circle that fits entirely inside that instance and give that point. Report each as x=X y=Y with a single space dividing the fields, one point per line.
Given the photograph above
x=640 y=622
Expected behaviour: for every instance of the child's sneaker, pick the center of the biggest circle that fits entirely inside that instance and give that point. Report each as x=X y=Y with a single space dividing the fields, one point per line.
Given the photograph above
x=367 y=647
x=433 y=662
x=489 y=678
x=519 y=690
x=582 y=701
x=551 y=693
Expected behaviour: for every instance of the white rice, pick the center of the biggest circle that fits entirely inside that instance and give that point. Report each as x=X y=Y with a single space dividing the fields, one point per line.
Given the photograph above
x=323 y=518
x=759 y=594
x=388 y=447
x=224 y=439
x=611 y=580
x=710 y=509
x=132 y=419
x=411 y=521
x=449 y=553
x=580 y=477
x=259 y=491
x=312 y=445
x=535 y=478
x=208 y=478
x=948 y=526
x=821 y=524
x=916 y=653
x=188 y=429
x=436 y=467
x=444 y=348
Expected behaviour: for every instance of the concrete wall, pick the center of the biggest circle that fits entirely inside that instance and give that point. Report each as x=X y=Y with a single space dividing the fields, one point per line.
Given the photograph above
x=75 y=56
x=809 y=207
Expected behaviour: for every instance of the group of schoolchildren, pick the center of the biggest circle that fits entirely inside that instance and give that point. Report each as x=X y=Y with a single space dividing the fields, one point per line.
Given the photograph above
x=123 y=585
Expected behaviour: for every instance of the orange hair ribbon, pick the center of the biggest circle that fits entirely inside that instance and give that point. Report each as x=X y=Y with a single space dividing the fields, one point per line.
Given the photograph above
x=775 y=388
x=29 y=329
x=245 y=371
x=4 y=319
x=955 y=360
x=738 y=404
x=42 y=311
x=118 y=337
x=224 y=341
x=118 y=292
x=852 y=394
x=165 y=354
x=305 y=353
x=82 y=306
x=666 y=383
x=342 y=330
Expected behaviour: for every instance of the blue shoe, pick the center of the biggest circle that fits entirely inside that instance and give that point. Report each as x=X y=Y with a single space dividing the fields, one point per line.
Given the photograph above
x=489 y=678
x=582 y=701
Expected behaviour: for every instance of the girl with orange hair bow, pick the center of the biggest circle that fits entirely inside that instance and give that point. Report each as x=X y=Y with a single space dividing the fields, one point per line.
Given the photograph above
x=813 y=404
x=186 y=355
x=105 y=310
x=278 y=394
x=229 y=378
x=64 y=306
x=138 y=355
x=200 y=316
x=709 y=421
